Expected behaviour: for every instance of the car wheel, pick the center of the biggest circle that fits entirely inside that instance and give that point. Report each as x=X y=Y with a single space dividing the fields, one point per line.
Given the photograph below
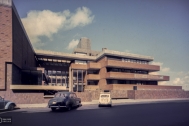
x=53 y=109
x=11 y=107
x=69 y=107
x=78 y=105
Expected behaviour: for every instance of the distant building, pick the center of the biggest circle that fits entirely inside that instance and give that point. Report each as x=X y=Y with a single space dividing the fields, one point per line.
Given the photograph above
x=32 y=76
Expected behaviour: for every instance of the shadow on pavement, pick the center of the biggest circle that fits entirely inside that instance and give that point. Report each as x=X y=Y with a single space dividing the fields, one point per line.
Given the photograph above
x=164 y=114
x=6 y=110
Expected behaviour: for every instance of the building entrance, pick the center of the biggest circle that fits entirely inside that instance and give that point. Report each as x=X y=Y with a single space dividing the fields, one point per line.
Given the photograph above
x=79 y=80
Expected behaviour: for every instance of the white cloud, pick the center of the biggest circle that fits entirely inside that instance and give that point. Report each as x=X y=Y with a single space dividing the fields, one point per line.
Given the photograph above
x=186 y=77
x=165 y=69
x=46 y=23
x=42 y=23
x=180 y=73
x=162 y=83
x=176 y=78
x=80 y=18
x=176 y=81
x=157 y=63
x=72 y=44
x=162 y=68
x=182 y=80
x=154 y=73
x=127 y=51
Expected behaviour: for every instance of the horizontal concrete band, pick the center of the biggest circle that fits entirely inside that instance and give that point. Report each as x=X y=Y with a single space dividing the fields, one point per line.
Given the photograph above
x=37 y=87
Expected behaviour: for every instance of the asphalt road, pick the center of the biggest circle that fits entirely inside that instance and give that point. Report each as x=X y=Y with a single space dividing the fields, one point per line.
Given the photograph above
x=153 y=114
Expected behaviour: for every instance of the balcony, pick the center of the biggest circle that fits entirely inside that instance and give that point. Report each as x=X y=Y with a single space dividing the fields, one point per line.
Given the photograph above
x=93 y=77
x=133 y=76
x=93 y=65
x=120 y=64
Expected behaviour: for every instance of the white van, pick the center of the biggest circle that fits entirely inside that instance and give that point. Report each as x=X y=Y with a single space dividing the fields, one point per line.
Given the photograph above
x=105 y=99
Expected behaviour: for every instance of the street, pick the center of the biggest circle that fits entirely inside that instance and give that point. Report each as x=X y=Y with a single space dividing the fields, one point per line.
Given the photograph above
x=174 y=113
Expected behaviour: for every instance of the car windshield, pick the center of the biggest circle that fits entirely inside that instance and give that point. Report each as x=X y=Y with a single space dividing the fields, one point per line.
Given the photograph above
x=104 y=96
x=60 y=95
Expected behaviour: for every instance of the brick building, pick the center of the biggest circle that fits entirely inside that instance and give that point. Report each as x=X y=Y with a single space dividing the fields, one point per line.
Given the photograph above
x=33 y=76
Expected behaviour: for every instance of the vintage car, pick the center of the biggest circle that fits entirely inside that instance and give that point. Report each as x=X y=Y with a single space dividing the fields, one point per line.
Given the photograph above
x=6 y=105
x=63 y=100
x=105 y=99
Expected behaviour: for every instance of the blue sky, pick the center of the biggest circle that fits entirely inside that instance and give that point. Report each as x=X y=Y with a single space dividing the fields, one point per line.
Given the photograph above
x=149 y=27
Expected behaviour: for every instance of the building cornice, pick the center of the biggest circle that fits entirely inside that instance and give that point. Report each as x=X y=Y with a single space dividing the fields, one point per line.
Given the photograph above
x=93 y=58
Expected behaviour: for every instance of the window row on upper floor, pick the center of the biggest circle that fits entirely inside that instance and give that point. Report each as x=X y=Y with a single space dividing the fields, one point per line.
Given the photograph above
x=128 y=60
x=126 y=70
x=134 y=61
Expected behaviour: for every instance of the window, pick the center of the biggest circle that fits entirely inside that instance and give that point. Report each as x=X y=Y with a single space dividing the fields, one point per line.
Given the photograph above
x=81 y=54
x=71 y=95
x=104 y=96
x=75 y=95
x=80 y=62
x=134 y=61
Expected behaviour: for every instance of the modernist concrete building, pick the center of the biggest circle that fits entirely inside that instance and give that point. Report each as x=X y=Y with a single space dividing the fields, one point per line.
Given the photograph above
x=31 y=76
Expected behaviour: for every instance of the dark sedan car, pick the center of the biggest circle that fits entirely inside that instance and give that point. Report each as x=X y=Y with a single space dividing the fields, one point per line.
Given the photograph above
x=6 y=105
x=66 y=100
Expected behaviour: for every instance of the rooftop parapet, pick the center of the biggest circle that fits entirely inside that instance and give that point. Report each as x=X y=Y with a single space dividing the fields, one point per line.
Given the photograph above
x=124 y=54
x=61 y=54
x=86 y=57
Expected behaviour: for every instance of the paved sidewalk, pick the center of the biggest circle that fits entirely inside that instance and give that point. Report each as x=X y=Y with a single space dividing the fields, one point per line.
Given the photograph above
x=114 y=101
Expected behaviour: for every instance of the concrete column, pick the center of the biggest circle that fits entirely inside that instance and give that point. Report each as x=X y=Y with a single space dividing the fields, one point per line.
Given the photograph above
x=82 y=81
x=77 y=81
x=65 y=81
x=61 y=77
x=70 y=80
x=86 y=78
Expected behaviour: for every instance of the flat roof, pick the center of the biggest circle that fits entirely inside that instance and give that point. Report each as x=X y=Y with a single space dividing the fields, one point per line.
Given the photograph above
x=61 y=55
x=70 y=56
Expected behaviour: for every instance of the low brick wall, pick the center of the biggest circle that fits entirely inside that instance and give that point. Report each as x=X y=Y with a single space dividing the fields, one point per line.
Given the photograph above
x=95 y=95
x=157 y=94
x=119 y=94
x=23 y=98
x=85 y=96
x=131 y=94
x=88 y=96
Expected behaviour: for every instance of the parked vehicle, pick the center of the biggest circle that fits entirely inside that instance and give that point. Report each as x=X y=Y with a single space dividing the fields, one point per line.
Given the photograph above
x=66 y=100
x=105 y=99
x=6 y=105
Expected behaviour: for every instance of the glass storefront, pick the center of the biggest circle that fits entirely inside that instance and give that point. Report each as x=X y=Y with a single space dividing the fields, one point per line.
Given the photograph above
x=58 y=78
